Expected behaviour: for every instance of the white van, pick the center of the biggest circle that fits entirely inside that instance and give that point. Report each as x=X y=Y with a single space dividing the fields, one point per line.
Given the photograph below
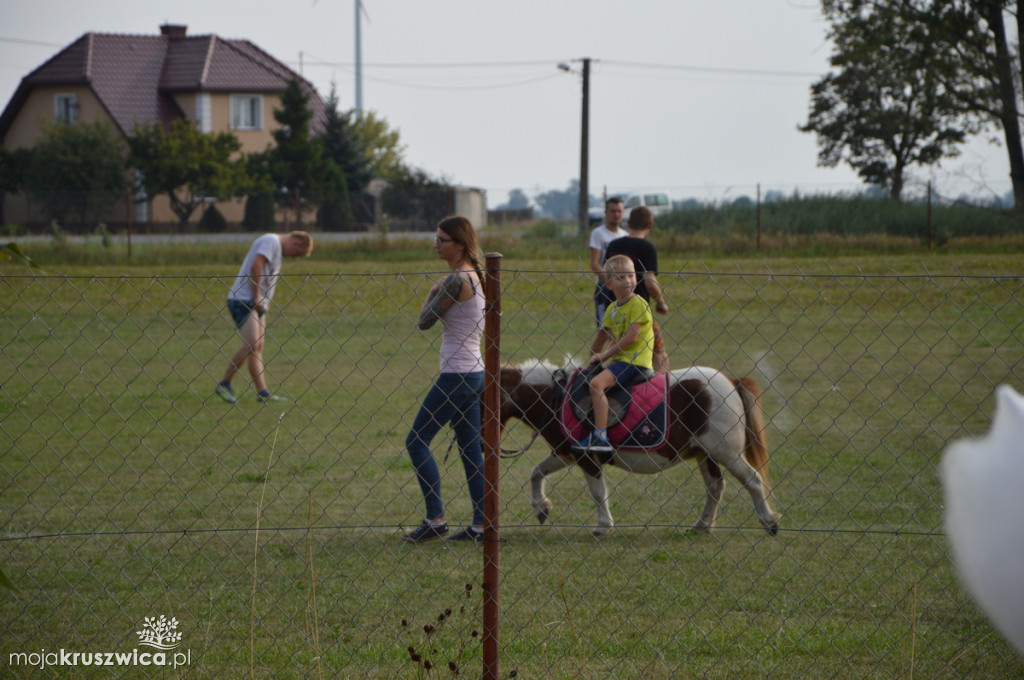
x=657 y=203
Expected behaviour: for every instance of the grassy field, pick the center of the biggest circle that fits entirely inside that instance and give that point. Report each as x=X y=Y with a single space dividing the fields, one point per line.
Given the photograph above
x=127 y=490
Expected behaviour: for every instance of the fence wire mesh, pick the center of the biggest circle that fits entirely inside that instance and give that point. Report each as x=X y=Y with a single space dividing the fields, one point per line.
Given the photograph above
x=269 y=533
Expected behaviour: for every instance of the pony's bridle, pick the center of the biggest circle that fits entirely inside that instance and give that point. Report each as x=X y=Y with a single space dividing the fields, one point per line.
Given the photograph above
x=559 y=385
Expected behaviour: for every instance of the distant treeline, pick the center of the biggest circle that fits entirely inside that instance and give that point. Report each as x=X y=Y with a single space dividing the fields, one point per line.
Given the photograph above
x=844 y=215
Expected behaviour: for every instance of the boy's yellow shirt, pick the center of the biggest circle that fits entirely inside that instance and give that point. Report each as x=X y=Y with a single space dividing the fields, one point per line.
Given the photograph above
x=619 y=318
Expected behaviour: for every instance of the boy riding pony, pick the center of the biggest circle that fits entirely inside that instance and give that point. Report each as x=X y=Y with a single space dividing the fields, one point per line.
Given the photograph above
x=629 y=336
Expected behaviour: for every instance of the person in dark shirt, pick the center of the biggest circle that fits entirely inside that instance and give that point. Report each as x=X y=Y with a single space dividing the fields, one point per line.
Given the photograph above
x=645 y=259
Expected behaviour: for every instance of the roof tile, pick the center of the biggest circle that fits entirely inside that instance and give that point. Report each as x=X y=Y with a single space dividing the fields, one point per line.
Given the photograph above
x=134 y=75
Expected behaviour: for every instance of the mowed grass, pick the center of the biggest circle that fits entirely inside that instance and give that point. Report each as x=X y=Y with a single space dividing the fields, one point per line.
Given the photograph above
x=129 y=490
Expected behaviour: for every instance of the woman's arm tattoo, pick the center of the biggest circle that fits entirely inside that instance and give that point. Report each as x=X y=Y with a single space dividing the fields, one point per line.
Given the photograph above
x=439 y=300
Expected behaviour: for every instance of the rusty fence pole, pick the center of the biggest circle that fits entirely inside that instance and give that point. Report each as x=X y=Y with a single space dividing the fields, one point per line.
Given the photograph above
x=492 y=463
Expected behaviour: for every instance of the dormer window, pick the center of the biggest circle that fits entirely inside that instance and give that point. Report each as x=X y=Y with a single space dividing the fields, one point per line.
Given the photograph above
x=246 y=112
x=65 y=108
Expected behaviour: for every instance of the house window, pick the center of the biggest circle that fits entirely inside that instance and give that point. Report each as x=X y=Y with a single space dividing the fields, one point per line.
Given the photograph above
x=204 y=112
x=246 y=112
x=65 y=108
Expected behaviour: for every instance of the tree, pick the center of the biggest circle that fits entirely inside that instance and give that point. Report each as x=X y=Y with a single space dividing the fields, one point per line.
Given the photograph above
x=186 y=164
x=259 y=211
x=560 y=204
x=986 y=81
x=260 y=206
x=517 y=200
x=335 y=211
x=381 y=147
x=884 y=109
x=13 y=167
x=76 y=169
x=341 y=144
x=296 y=160
x=982 y=65
x=417 y=196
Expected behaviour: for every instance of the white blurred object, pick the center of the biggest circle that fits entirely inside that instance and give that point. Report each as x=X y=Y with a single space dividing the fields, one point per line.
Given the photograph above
x=984 y=483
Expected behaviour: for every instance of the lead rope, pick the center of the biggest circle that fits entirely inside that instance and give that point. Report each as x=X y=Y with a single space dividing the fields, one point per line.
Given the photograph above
x=505 y=453
x=515 y=453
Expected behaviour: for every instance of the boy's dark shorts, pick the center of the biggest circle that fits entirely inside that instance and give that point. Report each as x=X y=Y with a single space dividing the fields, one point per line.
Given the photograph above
x=240 y=311
x=625 y=373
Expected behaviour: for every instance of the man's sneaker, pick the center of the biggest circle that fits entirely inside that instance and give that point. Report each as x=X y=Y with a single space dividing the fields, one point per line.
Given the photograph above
x=225 y=393
x=469 y=534
x=270 y=397
x=594 y=444
x=426 y=532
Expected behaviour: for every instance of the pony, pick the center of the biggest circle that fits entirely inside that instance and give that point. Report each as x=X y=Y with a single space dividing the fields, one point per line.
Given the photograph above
x=712 y=417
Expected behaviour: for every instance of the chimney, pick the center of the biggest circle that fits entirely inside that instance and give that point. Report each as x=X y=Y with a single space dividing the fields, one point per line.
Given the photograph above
x=173 y=31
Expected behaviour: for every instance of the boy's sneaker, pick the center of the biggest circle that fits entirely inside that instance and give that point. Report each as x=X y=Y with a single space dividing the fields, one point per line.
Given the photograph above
x=225 y=392
x=270 y=397
x=426 y=532
x=594 y=444
x=470 y=534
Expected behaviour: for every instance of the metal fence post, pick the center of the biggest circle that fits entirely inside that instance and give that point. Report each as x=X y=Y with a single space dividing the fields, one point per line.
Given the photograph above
x=492 y=463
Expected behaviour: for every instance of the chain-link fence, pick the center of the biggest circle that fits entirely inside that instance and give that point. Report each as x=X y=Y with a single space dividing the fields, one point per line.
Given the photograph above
x=267 y=535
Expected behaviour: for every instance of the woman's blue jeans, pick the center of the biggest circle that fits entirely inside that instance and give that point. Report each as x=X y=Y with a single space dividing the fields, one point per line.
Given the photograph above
x=454 y=398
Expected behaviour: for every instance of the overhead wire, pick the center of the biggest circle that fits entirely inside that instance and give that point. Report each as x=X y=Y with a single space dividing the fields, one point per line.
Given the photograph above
x=23 y=41
x=617 y=68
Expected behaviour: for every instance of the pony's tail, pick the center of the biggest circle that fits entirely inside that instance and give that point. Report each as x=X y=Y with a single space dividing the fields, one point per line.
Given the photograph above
x=755 y=450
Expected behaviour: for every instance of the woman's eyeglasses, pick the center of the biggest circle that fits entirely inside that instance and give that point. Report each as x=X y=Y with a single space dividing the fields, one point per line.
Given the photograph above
x=441 y=240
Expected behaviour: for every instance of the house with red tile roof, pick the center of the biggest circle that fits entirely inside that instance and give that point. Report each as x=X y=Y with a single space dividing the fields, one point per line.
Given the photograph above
x=129 y=80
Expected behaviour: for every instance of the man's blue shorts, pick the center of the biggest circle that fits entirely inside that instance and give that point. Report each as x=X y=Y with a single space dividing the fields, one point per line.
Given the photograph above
x=240 y=311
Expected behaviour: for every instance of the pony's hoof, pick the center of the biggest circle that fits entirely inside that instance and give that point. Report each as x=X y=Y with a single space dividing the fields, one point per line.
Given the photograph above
x=542 y=510
x=601 y=531
x=773 y=528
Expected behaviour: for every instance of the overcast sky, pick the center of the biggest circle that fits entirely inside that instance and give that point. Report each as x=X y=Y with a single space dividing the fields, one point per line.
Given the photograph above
x=698 y=98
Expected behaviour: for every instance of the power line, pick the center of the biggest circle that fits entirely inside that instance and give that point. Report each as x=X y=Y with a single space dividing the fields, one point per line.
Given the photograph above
x=481 y=64
x=466 y=87
x=525 y=80
x=22 y=41
x=713 y=69
x=512 y=64
x=551 y=62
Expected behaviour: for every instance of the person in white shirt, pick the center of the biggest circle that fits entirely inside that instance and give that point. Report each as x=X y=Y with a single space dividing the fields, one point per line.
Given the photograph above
x=599 y=240
x=248 y=302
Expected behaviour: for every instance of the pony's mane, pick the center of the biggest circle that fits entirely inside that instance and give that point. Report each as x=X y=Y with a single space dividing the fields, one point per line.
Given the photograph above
x=541 y=371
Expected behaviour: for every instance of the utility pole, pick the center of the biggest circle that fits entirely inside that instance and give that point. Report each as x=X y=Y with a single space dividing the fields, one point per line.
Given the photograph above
x=584 y=183
x=359 y=61
x=585 y=151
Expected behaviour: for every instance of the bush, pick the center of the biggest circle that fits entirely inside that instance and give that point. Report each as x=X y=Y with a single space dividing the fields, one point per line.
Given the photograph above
x=212 y=222
x=60 y=239
x=335 y=214
x=104 y=234
x=259 y=212
x=546 y=229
